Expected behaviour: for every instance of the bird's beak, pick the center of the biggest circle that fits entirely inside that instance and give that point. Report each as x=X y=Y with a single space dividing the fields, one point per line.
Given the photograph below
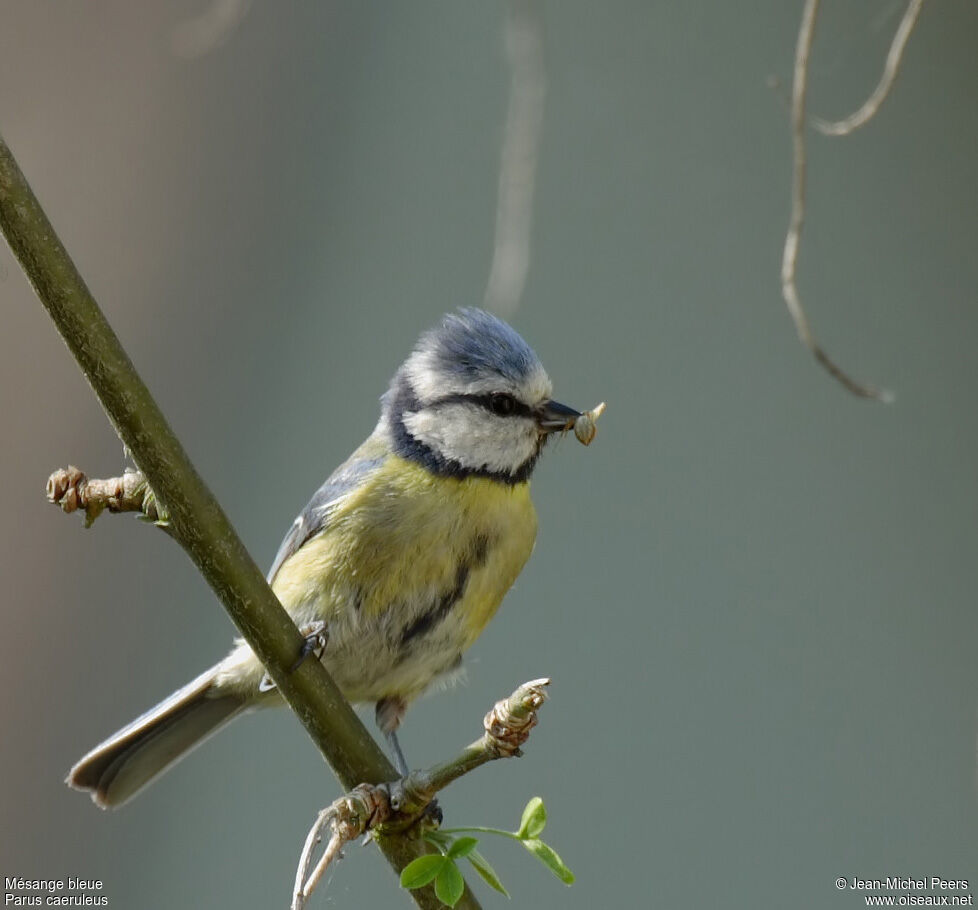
x=552 y=417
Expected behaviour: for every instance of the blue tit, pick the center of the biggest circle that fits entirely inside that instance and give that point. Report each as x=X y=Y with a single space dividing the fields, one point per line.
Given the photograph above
x=401 y=557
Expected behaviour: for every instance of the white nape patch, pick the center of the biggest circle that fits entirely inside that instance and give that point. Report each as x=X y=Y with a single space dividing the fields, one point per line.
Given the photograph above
x=430 y=381
x=474 y=437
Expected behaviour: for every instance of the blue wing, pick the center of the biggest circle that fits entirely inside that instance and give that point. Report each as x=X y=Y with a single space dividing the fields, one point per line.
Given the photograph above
x=315 y=516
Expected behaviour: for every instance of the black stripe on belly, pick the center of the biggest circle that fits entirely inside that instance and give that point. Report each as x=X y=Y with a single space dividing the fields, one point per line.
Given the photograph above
x=430 y=618
x=440 y=610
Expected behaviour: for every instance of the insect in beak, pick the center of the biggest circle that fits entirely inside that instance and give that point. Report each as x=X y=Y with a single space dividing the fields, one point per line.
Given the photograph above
x=554 y=417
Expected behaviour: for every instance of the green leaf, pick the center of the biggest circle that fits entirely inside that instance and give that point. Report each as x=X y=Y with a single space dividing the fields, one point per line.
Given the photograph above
x=488 y=874
x=534 y=819
x=422 y=870
x=548 y=856
x=449 y=885
x=462 y=847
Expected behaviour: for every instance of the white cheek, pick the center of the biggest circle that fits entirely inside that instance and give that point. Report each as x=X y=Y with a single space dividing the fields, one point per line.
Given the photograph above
x=475 y=438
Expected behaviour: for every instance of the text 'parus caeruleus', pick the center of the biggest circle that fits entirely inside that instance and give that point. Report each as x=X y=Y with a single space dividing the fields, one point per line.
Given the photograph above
x=401 y=558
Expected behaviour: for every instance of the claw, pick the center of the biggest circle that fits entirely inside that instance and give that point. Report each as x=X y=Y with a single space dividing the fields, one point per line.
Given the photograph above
x=315 y=639
x=433 y=813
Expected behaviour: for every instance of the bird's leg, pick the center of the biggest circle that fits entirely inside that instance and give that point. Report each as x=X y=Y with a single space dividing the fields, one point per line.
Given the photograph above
x=315 y=637
x=389 y=714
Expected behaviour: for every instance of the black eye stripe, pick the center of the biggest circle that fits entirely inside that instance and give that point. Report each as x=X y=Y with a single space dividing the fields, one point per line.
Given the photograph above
x=489 y=401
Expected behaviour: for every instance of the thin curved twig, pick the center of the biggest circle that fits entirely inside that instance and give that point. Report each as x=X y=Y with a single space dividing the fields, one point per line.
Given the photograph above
x=789 y=261
x=890 y=71
x=518 y=162
x=347 y=818
x=314 y=836
x=203 y=33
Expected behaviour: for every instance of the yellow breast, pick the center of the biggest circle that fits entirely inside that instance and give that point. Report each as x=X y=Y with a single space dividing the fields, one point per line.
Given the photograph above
x=409 y=570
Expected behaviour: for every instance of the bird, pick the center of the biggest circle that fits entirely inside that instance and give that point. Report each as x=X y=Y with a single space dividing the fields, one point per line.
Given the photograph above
x=399 y=560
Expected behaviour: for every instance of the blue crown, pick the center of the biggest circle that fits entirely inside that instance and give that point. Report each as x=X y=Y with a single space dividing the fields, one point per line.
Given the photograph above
x=472 y=342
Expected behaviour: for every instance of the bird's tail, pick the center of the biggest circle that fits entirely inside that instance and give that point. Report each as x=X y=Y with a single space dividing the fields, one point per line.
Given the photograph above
x=119 y=768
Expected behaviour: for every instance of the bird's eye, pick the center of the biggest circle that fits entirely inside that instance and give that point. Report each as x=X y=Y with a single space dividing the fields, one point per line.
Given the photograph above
x=501 y=404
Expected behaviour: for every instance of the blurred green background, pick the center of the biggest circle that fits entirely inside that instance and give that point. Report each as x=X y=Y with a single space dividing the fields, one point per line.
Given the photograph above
x=755 y=594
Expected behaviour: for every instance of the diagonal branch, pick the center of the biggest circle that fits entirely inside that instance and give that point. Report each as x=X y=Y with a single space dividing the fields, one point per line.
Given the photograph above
x=873 y=103
x=789 y=261
x=194 y=515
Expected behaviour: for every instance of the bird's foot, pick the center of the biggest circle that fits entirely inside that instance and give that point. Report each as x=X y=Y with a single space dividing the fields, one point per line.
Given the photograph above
x=315 y=638
x=432 y=814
